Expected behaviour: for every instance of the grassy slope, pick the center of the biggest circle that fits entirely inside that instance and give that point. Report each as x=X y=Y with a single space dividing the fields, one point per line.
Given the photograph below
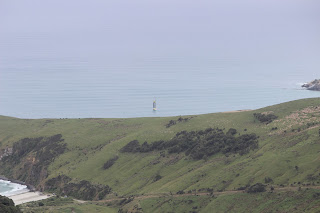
x=291 y=201
x=65 y=205
x=92 y=142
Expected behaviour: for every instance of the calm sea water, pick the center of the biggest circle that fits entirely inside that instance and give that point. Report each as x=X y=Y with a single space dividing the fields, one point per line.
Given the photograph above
x=45 y=87
x=112 y=59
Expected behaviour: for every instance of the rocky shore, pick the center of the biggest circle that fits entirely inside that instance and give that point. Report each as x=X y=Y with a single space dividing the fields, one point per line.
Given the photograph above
x=313 y=85
x=24 y=196
x=29 y=186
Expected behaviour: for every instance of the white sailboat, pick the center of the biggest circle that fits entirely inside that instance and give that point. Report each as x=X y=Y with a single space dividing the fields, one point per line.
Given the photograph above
x=154 y=105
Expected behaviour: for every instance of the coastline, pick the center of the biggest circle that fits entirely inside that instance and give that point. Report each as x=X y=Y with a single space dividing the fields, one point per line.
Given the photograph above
x=29 y=186
x=214 y=104
x=240 y=110
x=24 y=195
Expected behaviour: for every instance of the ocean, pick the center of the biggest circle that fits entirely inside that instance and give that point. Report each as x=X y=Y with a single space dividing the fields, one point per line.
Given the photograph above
x=112 y=60
x=71 y=88
x=8 y=188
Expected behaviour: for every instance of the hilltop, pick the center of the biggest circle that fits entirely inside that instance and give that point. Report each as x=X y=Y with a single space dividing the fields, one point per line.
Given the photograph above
x=149 y=164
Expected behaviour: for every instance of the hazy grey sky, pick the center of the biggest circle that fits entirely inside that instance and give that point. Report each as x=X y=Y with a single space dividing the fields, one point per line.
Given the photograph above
x=244 y=30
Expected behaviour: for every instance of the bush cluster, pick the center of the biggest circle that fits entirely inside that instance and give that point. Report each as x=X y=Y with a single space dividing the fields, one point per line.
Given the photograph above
x=265 y=118
x=258 y=187
x=7 y=205
x=198 y=144
x=81 y=190
x=174 y=122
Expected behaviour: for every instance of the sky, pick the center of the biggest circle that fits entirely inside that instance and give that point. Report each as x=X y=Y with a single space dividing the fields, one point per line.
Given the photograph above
x=264 y=31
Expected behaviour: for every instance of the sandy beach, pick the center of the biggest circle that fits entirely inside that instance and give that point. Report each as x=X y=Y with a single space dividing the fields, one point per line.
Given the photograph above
x=28 y=197
x=21 y=193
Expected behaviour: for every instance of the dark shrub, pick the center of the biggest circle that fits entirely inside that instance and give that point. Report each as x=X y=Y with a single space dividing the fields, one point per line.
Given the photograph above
x=268 y=180
x=179 y=120
x=200 y=144
x=265 y=118
x=110 y=162
x=242 y=188
x=157 y=177
x=171 y=123
x=132 y=146
x=258 y=187
x=81 y=190
x=7 y=205
x=232 y=131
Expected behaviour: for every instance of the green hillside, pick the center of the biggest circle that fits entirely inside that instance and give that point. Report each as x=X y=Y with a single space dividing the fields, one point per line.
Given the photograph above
x=87 y=155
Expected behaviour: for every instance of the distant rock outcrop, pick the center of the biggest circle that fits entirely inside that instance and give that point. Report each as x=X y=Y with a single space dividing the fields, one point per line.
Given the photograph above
x=5 y=152
x=313 y=85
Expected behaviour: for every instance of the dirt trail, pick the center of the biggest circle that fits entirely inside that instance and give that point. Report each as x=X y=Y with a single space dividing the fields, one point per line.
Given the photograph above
x=142 y=197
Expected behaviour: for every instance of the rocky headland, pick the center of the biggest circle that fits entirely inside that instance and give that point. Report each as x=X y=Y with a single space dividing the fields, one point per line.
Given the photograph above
x=313 y=85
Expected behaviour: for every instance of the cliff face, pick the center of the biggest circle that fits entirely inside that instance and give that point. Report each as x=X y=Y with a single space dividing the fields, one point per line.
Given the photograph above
x=28 y=161
x=314 y=85
x=29 y=158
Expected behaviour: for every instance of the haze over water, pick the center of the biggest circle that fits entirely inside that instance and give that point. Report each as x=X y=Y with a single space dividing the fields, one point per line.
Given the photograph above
x=112 y=58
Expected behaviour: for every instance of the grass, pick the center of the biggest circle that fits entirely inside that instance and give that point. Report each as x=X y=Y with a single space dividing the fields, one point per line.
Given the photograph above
x=92 y=142
x=295 y=201
x=65 y=205
x=290 y=201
